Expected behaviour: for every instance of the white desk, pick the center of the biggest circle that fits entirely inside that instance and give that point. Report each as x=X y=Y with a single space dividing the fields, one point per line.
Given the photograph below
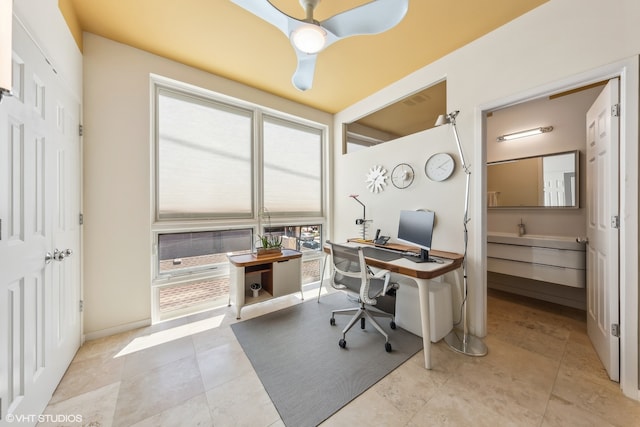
x=420 y=273
x=279 y=275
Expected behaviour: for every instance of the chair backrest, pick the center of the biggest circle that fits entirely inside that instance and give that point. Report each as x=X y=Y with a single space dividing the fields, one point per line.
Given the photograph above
x=350 y=271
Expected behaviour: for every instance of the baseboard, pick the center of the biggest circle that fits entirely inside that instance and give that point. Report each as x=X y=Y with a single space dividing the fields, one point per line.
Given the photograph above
x=117 y=329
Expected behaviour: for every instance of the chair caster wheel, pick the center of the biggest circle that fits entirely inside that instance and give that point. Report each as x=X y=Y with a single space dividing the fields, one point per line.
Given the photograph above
x=392 y=324
x=362 y=323
x=332 y=321
x=387 y=347
x=342 y=343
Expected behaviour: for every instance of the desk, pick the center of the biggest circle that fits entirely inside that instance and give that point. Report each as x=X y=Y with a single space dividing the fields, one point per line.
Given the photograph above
x=418 y=272
x=278 y=275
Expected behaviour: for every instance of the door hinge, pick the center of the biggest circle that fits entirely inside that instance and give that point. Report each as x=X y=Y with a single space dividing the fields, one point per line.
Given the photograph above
x=615 y=221
x=81 y=306
x=80 y=130
x=81 y=218
x=615 y=110
x=615 y=330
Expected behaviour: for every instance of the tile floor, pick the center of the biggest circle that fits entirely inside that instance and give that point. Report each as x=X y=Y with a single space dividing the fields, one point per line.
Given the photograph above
x=541 y=370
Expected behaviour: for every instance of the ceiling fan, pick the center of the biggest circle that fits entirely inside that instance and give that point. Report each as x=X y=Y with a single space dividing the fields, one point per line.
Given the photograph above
x=309 y=37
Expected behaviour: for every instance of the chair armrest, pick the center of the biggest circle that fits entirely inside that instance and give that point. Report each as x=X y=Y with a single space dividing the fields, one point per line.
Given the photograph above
x=381 y=273
x=386 y=275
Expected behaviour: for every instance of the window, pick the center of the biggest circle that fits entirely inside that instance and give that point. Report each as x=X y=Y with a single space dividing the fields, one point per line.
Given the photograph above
x=224 y=169
x=292 y=168
x=205 y=164
x=306 y=239
x=180 y=253
x=183 y=254
x=204 y=158
x=302 y=238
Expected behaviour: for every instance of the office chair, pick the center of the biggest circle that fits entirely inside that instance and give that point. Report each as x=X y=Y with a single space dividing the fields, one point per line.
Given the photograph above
x=352 y=275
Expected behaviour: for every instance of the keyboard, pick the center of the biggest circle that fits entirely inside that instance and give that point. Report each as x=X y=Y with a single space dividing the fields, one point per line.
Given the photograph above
x=381 y=254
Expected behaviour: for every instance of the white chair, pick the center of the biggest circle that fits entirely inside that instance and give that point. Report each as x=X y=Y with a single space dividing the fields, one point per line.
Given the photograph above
x=352 y=275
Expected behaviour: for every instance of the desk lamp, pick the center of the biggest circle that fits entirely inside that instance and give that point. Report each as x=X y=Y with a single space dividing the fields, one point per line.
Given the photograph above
x=462 y=341
x=361 y=221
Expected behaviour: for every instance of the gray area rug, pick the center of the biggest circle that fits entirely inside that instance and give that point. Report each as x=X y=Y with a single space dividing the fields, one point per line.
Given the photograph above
x=308 y=376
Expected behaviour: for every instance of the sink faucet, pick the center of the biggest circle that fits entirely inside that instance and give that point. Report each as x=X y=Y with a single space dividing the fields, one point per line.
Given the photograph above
x=521 y=229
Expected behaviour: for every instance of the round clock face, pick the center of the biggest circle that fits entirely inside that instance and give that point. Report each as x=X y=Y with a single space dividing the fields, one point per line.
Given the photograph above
x=376 y=179
x=439 y=167
x=402 y=175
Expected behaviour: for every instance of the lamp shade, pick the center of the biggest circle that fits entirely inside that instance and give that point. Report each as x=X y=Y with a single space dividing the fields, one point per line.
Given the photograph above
x=6 y=66
x=442 y=119
x=309 y=38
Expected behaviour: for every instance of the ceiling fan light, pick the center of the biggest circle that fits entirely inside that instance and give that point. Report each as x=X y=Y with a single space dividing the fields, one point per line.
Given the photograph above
x=309 y=38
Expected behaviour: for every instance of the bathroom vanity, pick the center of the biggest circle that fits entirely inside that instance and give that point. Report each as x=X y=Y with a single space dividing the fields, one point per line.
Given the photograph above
x=544 y=262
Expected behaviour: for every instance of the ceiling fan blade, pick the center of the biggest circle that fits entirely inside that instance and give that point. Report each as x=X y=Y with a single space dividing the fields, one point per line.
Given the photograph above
x=265 y=10
x=370 y=18
x=303 y=77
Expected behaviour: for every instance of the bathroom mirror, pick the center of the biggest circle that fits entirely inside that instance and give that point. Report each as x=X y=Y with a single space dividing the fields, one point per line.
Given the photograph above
x=548 y=181
x=414 y=113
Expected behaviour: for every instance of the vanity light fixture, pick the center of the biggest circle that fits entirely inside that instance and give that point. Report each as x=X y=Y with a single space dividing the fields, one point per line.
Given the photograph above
x=524 y=133
x=6 y=17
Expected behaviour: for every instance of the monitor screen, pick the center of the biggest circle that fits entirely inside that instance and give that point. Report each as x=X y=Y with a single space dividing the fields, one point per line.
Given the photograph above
x=416 y=228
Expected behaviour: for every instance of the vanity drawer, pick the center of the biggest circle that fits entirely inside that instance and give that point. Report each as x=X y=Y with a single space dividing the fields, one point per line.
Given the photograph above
x=538 y=255
x=544 y=272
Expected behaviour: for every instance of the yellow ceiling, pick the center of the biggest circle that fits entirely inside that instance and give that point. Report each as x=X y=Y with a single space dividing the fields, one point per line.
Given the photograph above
x=221 y=38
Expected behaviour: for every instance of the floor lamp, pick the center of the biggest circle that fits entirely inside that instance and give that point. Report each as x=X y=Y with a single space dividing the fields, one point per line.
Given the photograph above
x=462 y=341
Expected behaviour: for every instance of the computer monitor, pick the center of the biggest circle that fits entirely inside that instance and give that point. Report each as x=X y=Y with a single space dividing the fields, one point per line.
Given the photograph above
x=416 y=228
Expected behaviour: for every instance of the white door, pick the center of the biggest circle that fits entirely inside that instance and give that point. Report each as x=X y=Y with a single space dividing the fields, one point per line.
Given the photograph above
x=39 y=199
x=602 y=231
x=554 y=194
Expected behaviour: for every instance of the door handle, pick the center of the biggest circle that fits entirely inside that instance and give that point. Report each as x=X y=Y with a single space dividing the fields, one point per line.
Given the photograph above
x=582 y=240
x=48 y=257
x=60 y=255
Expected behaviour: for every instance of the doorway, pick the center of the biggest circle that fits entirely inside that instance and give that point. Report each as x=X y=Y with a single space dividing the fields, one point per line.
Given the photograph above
x=519 y=179
x=627 y=71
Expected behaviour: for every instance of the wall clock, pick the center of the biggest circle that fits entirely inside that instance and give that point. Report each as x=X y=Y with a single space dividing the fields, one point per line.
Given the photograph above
x=376 y=179
x=402 y=175
x=439 y=166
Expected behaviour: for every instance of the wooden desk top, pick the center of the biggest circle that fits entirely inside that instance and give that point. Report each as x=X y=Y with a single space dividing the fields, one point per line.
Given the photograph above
x=410 y=268
x=246 y=260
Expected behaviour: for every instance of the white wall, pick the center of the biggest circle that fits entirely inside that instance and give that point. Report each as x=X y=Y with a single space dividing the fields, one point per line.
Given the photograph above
x=530 y=55
x=117 y=180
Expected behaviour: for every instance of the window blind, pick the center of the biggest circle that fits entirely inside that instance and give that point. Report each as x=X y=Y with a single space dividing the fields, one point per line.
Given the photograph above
x=292 y=169
x=205 y=164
